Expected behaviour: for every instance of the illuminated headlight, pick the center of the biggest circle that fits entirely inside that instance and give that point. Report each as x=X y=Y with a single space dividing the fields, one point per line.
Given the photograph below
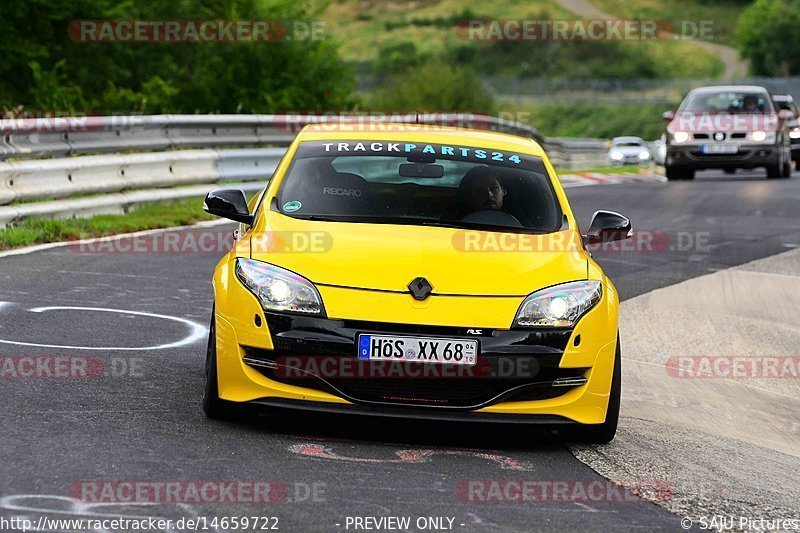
x=758 y=136
x=644 y=154
x=680 y=137
x=795 y=133
x=616 y=155
x=278 y=289
x=558 y=306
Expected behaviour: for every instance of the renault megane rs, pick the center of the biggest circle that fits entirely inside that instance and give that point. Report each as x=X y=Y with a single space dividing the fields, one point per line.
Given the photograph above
x=416 y=271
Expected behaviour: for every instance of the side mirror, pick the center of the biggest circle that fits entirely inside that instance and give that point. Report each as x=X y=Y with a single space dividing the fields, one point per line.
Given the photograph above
x=668 y=116
x=608 y=226
x=230 y=204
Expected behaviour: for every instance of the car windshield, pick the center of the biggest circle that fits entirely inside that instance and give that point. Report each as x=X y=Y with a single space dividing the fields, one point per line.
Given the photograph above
x=627 y=144
x=419 y=184
x=727 y=101
x=788 y=105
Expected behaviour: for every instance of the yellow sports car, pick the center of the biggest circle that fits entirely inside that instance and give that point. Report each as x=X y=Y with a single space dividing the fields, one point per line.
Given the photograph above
x=415 y=271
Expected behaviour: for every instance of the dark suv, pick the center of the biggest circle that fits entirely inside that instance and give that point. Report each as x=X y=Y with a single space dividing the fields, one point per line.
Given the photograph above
x=728 y=127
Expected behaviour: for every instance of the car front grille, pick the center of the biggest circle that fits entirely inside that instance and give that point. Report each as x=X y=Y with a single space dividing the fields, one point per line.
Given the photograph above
x=422 y=384
x=512 y=364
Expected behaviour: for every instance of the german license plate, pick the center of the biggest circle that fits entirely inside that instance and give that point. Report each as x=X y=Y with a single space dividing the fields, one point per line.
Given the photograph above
x=720 y=148
x=417 y=349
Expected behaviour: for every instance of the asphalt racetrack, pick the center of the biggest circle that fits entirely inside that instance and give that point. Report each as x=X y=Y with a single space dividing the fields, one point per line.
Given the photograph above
x=139 y=319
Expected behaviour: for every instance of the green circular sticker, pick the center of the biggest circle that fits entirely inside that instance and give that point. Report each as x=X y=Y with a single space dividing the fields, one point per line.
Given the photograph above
x=292 y=206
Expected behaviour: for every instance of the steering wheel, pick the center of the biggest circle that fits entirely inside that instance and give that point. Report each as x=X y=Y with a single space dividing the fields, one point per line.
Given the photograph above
x=492 y=217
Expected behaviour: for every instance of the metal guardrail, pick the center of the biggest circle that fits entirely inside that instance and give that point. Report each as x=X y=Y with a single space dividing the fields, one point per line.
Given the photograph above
x=119 y=181
x=573 y=154
x=124 y=180
x=92 y=135
x=659 y=91
x=73 y=176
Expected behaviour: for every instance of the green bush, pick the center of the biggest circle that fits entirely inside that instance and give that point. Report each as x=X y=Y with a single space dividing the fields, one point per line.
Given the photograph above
x=433 y=87
x=575 y=59
x=603 y=121
x=447 y=22
x=397 y=58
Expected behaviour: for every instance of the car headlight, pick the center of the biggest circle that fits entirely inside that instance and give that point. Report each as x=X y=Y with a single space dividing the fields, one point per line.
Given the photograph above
x=680 y=137
x=644 y=154
x=795 y=133
x=616 y=154
x=278 y=289
x=758 y=136
x=558 y=306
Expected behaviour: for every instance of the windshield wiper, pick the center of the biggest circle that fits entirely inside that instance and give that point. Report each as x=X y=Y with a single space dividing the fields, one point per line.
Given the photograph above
x=439 y=224
x=373 y=219
x=410 y=221
x=318 y=218
x=501 y=229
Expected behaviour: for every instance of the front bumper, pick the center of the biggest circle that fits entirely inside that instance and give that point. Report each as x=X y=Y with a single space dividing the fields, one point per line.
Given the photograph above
x=319 y=354
x=564 y=375
x=401 y=412
x=748 y=156
x=630 y=160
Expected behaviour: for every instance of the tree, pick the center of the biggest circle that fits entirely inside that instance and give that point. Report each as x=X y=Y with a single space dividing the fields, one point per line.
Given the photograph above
x=768 y=34
x=45 y=69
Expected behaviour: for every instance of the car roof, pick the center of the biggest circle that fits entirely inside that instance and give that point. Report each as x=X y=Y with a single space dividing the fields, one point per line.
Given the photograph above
x=381 y=131
x=782 y=97
x=626 y=139
x=737 y=88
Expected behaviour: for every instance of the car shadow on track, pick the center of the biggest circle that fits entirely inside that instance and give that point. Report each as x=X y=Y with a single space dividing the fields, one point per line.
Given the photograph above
x=741 y=175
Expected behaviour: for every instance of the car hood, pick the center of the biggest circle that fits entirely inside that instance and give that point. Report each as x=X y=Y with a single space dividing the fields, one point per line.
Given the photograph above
x=629 y=150
x=388 y=256
x=711 y=122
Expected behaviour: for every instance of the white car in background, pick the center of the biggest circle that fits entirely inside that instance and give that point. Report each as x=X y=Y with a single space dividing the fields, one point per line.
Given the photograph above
x=628 y=151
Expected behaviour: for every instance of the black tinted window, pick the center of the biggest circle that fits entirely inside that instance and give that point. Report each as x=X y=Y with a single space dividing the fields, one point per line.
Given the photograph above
x=424 y=184
x=730 y=101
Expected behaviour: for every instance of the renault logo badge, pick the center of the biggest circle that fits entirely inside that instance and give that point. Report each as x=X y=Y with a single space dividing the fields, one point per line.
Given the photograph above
x=420 y=288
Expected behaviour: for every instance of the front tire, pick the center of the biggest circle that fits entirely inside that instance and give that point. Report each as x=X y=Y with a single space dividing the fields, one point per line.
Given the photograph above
x=213 y=406
x=604 y=433
x=775 y=170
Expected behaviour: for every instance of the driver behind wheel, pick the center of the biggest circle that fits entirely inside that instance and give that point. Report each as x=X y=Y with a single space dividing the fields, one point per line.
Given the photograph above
x=480 y=189
x=483 y=199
